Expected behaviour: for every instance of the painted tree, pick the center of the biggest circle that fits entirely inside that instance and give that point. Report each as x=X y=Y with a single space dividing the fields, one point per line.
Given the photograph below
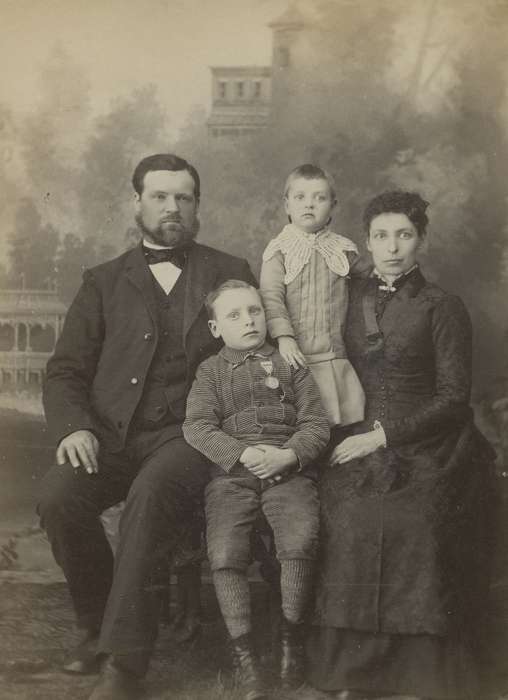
x=31 y=250
x=53 y=138
x=133 y=128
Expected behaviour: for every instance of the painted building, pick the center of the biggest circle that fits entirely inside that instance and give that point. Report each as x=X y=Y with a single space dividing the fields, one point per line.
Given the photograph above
x=243 y=96
x=30 y=323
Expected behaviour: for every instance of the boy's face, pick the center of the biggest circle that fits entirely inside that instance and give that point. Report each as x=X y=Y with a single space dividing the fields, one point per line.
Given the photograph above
x=309 y=203
x=239 y=319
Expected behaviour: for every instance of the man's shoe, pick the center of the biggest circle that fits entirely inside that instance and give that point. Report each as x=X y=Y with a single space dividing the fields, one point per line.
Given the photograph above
x=292 y=654
x=247 y=671
x=83 y=660
x=116 y=684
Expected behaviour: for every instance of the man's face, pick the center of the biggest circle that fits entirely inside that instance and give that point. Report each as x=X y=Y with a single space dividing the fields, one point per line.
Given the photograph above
x=166 y=209
x=309 y=203
x=239 y=319
x=394 y=242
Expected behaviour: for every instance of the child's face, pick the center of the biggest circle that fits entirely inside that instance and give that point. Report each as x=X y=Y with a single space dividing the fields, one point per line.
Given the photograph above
x=309 y=203
x=239 y=319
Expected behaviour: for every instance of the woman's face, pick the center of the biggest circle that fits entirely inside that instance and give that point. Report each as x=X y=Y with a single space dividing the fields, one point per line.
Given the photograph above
x=393 y=241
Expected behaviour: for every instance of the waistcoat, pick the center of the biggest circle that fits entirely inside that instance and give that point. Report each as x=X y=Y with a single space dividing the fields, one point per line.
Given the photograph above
x=164 y=396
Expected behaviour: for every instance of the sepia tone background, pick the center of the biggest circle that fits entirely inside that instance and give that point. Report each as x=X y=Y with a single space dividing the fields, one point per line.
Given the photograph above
x=382 y=93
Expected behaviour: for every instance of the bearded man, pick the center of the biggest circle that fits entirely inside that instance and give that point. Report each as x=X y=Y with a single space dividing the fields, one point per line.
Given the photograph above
x=114 y=399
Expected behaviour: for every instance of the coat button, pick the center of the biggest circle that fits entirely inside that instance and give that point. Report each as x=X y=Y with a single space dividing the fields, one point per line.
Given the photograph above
x=147 y=336
x=134 y=380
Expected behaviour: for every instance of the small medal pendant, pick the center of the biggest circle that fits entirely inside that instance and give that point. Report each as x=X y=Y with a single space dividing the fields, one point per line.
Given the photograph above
x=272 y=382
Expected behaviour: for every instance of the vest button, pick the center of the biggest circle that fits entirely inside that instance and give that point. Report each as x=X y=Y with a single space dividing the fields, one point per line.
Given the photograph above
x=134 y=380
x=147 y=336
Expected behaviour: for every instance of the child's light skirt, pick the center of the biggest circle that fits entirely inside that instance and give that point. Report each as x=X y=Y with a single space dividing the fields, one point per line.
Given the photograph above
x=341 y=392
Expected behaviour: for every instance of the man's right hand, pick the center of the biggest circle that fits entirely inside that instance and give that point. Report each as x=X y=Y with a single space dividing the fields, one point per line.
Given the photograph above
x=80 y=449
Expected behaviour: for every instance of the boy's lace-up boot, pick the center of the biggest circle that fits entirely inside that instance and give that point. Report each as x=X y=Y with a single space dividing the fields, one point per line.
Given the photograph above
x=292 y=654
x=247 y=671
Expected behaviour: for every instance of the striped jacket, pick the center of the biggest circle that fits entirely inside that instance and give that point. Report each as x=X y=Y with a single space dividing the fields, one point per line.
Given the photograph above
x=231 y=407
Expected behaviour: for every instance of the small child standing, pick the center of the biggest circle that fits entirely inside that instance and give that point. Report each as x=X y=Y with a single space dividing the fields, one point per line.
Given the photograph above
x=304 y=287
x=262 y=425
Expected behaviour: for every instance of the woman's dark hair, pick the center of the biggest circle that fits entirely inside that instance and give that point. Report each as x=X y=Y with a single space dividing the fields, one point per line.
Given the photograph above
x=398 y=202
x=164 y=161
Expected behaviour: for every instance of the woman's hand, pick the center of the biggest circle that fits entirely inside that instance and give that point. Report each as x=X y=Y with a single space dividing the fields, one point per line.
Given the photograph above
x=357 y=446
x=290 y=351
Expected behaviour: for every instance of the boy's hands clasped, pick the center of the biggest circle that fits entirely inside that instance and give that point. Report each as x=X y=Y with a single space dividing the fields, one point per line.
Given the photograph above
x=267 y=461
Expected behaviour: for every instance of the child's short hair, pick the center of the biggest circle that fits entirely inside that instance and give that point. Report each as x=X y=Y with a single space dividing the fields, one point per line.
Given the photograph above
x=212 y=296
x=311 y=172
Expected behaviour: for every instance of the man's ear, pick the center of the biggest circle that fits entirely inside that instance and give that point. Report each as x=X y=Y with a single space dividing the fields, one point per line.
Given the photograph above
x=367 y=243
x=212 y=325
x=137 y=201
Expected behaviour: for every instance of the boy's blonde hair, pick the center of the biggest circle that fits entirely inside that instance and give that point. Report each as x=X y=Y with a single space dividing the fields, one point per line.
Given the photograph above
x=212 y=296
x=311 y=172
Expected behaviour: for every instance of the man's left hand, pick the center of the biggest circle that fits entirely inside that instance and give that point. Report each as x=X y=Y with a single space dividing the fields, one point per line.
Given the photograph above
x=276 y=461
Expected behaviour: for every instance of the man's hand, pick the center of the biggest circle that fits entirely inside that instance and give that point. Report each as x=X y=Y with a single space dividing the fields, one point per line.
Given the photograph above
x=274 y=461
x=290 y=351
x=357 y=446
x=80 y=449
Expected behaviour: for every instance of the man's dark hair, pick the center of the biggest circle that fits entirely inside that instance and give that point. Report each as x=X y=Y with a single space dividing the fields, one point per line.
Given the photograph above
x=164 y=161
x=398 y=202
x=212 y=296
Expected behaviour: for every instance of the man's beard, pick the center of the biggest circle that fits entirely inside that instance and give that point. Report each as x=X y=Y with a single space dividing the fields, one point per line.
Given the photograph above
x=165 y=235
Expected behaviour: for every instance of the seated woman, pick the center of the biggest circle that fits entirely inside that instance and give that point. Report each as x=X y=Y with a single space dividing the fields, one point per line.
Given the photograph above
x=405 y=499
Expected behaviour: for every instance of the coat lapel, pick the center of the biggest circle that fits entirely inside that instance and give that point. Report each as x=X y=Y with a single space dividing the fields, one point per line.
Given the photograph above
x=138 y=272
x=201 y=278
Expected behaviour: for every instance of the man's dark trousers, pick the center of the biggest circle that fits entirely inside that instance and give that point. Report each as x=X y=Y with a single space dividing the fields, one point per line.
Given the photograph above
x=161 y=482
x=121 y=369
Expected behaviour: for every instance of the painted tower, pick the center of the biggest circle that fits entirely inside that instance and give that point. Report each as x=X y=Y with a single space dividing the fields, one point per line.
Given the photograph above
x=244 y=98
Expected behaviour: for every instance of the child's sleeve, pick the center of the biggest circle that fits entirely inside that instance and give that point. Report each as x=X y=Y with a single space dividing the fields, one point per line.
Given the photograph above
x=312 y=428
x=273 y=294
x=203 y=420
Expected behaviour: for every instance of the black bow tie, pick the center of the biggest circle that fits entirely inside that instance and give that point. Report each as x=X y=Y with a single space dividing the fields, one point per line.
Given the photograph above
x=176 y=256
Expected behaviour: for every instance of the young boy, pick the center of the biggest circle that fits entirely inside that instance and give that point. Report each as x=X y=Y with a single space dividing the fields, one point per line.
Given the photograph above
x=261 y=423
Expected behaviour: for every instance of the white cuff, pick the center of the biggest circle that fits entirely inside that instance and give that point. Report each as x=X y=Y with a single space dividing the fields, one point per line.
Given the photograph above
x=377 y=426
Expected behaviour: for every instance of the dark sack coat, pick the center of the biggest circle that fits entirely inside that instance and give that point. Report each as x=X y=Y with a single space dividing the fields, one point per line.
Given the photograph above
x=96 y=376
x=405 y=533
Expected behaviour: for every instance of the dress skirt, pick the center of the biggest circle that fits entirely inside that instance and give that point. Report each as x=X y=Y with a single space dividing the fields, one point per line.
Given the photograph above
x=340 y=389
x=422 y=665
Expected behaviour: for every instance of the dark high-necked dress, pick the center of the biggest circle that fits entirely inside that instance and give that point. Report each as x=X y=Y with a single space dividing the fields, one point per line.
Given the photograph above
x=405 y=530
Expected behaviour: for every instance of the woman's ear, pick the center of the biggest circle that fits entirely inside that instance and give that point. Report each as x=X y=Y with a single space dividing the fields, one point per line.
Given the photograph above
x=423 y=245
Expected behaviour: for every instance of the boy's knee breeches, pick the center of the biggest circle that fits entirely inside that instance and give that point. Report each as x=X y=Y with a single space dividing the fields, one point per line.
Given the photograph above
x=234 y=503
